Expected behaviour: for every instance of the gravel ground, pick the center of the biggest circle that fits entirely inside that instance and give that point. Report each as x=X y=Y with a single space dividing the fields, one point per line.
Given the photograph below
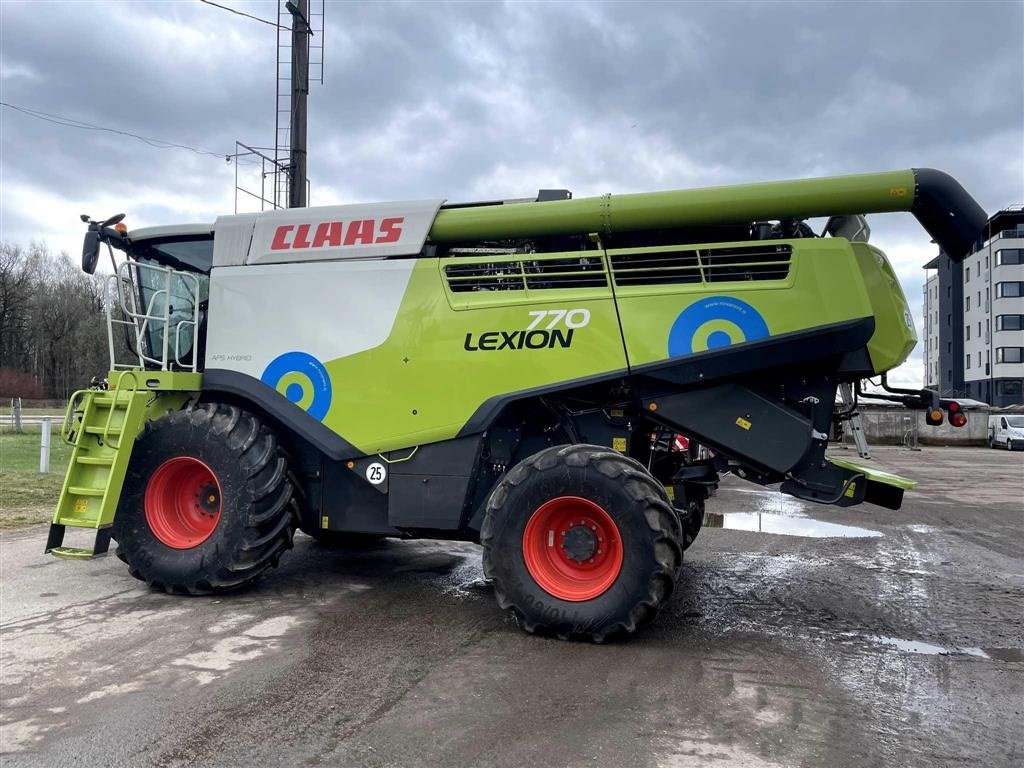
x=896 y=638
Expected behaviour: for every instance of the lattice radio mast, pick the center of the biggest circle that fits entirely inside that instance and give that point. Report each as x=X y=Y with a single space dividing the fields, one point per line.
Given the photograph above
x=299 y=61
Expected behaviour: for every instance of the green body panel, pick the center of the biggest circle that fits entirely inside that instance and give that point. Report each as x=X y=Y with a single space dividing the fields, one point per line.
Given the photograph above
x=101 y=427
x=895 y=337
x=422 y=384
x=804 y=198
x=824 y=286
x=874 y=474
x=157 y=381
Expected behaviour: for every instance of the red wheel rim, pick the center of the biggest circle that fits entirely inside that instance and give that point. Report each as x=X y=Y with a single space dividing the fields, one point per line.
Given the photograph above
x=572 y=548
x=183 y=502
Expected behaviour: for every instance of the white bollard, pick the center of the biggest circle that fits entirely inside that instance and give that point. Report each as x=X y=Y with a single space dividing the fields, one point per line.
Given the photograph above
x=44 y=446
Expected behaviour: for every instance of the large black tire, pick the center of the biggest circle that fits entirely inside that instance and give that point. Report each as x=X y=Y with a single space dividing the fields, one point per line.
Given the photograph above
x=257 y=513
x=649 y=533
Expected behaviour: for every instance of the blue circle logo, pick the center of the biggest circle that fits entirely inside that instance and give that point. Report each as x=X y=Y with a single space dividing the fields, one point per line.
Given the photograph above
x=302 y=379
x=713 y=323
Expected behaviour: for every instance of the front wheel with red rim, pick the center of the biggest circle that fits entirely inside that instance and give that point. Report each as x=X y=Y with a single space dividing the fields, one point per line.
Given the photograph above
x=207 y=503
x=581 y=542
x=182 y=502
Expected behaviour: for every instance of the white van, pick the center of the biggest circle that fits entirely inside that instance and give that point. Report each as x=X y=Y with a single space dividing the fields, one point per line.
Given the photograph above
x=1006 y=431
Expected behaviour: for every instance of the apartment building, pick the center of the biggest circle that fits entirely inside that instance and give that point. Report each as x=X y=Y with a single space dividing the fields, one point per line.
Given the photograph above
x=974 y=317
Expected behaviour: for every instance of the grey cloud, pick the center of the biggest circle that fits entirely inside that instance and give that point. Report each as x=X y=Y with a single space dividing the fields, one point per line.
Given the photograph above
x=485 y=99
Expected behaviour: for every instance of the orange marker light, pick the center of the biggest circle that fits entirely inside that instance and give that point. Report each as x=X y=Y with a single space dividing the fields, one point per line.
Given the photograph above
x=121 y=227
x=350 y=464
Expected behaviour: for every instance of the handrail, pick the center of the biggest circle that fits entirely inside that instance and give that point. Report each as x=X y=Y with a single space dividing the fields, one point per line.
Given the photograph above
x=143 y=320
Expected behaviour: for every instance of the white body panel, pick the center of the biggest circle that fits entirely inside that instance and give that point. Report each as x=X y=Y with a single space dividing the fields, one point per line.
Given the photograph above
x=232 y=239
x=327 y=310
x=331 y=233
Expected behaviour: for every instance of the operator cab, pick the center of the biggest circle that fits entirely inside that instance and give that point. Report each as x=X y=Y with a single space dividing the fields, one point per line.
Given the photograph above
x=159 y=295
x=186 y=248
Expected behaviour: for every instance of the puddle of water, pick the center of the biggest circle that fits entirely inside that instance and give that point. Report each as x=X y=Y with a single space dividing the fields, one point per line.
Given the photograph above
x=916 y=646
x=778 y=503
x=785 y=525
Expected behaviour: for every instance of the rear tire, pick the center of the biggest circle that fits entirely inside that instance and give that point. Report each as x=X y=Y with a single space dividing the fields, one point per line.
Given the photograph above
x=581 y=542
x=207 y=504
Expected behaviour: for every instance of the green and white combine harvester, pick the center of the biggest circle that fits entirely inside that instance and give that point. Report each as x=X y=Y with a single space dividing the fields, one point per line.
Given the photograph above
x=515 y=373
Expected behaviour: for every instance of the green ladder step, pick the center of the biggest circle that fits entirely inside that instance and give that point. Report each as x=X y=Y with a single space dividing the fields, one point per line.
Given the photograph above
x=108 y=402
x=80 y=491
x=112 y=430
x=97 y=461
x=72 y=553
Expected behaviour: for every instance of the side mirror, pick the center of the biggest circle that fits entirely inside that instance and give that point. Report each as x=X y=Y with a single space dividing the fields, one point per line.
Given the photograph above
x=115 y=219
x=90 y=251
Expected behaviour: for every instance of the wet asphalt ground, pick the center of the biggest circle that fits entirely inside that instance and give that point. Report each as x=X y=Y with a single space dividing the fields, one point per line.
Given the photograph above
x=898 y=644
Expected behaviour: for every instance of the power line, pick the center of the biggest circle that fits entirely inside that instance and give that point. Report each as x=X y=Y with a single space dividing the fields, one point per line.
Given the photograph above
x=232 y=10
x=69 y=122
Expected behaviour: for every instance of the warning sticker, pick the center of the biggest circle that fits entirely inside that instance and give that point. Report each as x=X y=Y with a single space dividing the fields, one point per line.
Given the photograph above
x=376 y=474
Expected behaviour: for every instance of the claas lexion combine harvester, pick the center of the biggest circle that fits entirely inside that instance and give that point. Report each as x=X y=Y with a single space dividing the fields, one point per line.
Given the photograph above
x=514 y=373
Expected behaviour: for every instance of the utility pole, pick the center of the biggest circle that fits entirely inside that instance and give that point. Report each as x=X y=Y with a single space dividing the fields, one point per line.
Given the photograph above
x=301 y=31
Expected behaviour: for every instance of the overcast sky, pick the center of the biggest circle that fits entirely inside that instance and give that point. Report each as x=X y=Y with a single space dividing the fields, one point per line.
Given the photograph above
x=491 y=100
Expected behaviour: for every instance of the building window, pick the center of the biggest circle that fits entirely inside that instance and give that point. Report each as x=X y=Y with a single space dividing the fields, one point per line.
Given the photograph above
x=967 y=275
x=1009 y=256
x=979 y=359
x=949 y=375
x=968 y=359
x=979 y=299
x=1012 y=289
x=1010 y=323
x=979 y=329
x=988 y=298
x=968 y=303
x=949 y=347
x=1010 y=387
x=1010 y=355
x=967 y=333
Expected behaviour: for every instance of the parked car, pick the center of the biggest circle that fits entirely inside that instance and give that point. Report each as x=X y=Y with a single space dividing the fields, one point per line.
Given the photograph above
x=1006 y=431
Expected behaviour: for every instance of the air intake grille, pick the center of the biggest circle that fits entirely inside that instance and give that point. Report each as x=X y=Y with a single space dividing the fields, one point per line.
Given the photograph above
x=709 y=265
x=535 y=274
x=661 y=268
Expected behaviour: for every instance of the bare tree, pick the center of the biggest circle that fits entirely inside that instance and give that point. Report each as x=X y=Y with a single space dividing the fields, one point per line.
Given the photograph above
x=52 y=329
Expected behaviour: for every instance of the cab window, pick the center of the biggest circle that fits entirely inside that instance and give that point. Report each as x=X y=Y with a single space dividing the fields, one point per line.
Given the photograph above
x=184 y=254
x=190 y=254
